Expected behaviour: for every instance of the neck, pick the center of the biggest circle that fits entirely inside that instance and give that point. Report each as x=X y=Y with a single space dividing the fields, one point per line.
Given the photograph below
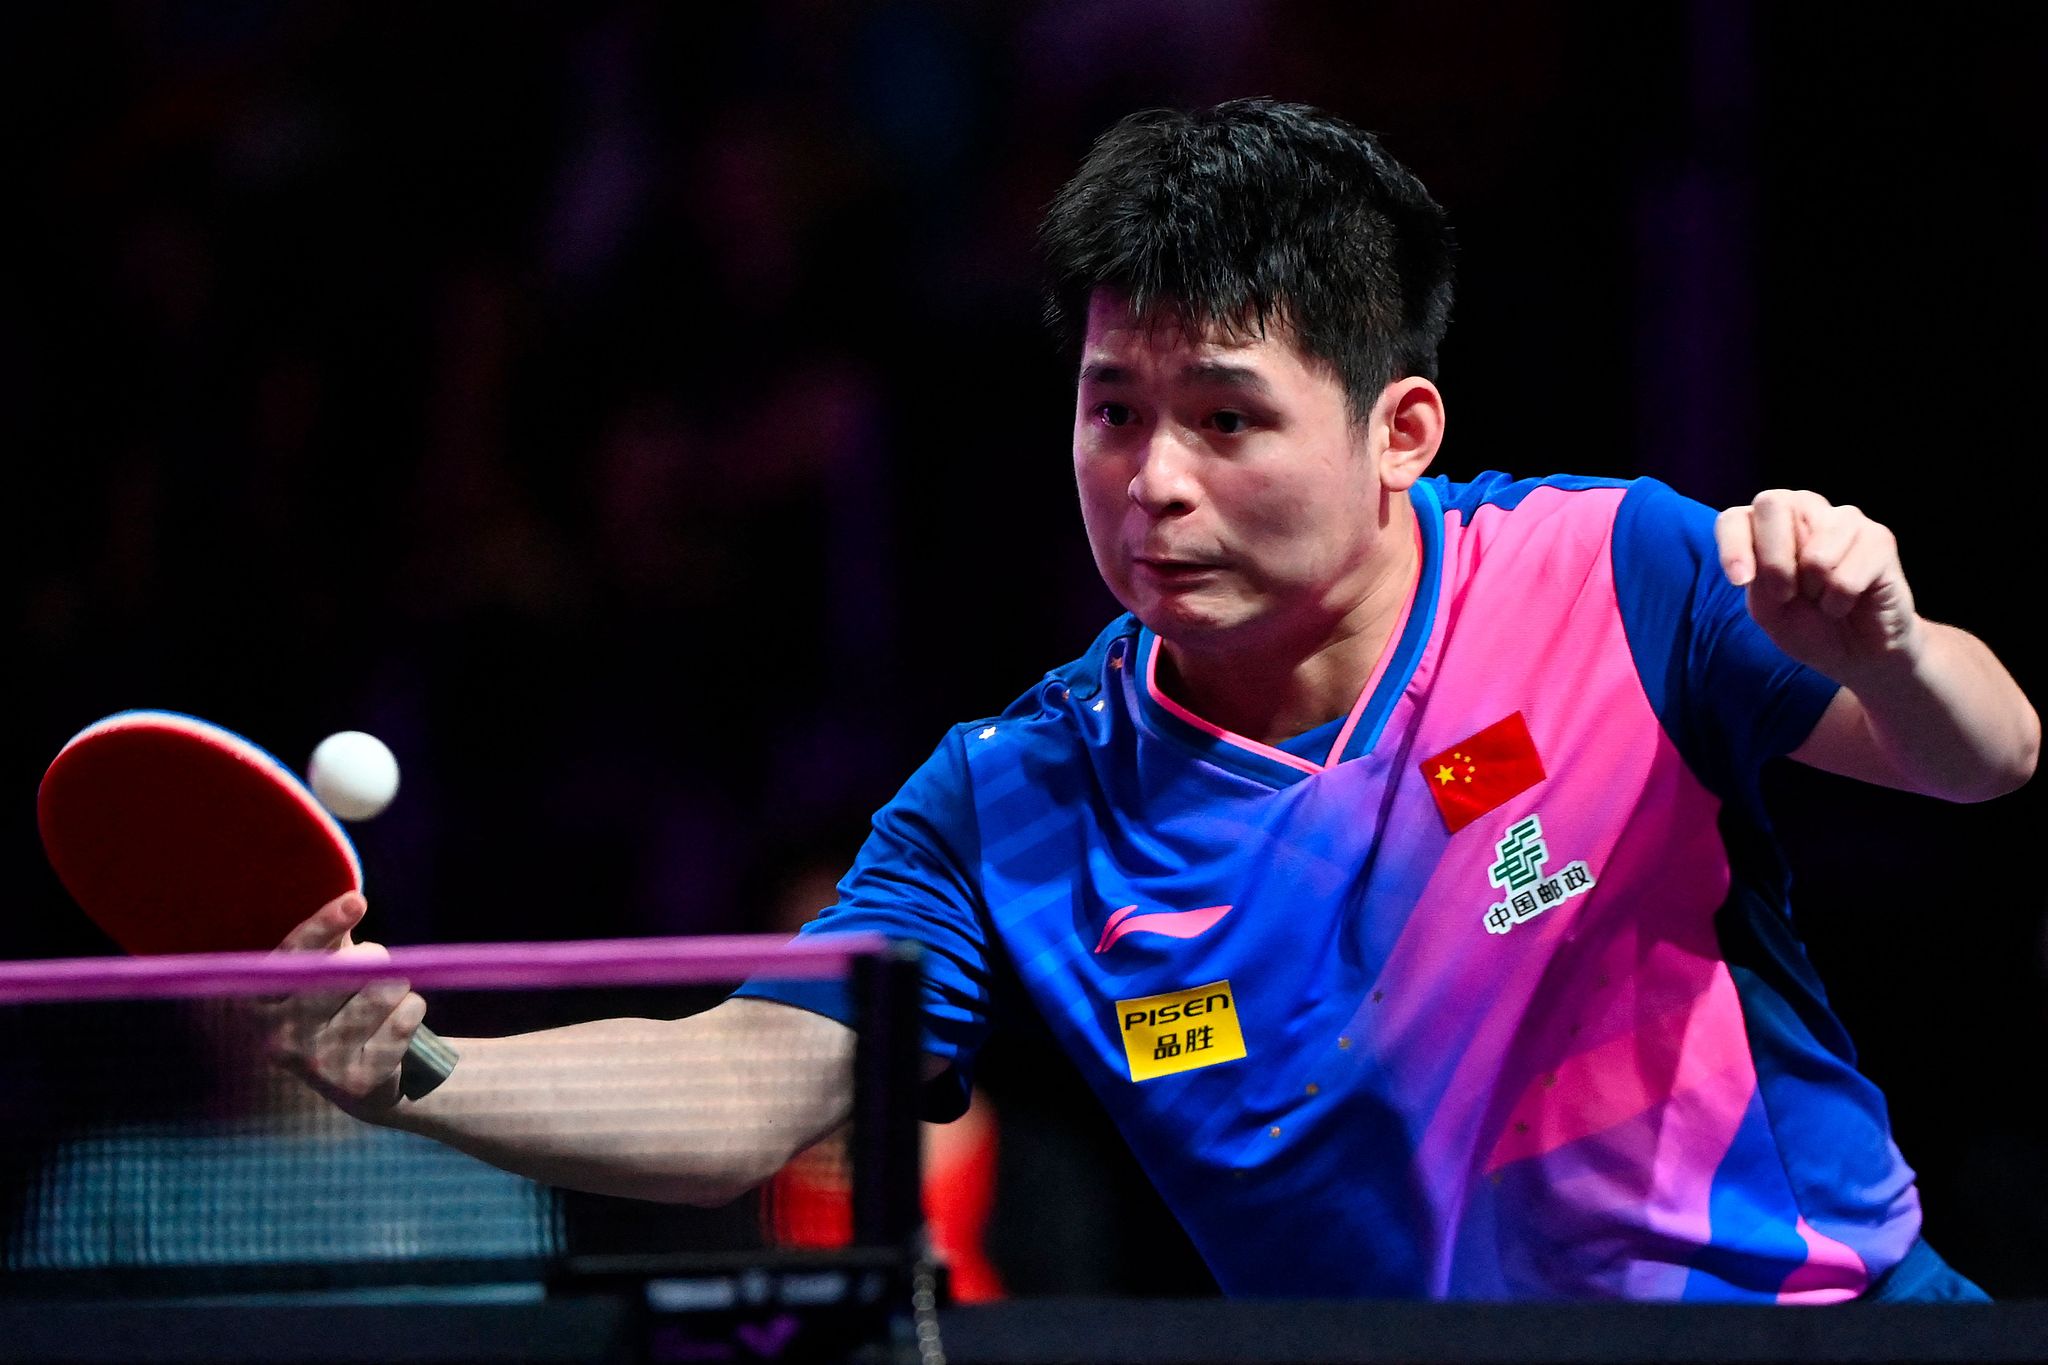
x=1273 y=691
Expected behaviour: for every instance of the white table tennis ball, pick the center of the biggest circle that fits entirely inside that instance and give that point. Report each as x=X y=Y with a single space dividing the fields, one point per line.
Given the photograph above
x=353 y=774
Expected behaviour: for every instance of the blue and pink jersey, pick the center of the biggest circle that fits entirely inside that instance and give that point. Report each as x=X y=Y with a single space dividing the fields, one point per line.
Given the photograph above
x=1486 y=989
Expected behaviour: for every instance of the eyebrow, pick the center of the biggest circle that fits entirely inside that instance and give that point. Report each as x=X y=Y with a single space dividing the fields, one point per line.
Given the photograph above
x=1213 y=373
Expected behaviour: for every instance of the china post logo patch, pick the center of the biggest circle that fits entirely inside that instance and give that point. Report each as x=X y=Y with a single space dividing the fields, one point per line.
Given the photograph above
x=1180 y=1030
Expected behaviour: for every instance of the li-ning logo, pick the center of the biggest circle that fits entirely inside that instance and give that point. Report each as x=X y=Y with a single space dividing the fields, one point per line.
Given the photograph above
x=1172 y=923
x=1519 y=872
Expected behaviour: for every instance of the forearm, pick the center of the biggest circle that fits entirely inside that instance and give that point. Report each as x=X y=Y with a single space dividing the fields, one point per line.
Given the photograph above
x=696 y=1110
x=1951 y=721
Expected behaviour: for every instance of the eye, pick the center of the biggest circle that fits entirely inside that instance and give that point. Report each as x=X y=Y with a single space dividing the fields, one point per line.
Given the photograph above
x=1115 y=414
x=1229 y=423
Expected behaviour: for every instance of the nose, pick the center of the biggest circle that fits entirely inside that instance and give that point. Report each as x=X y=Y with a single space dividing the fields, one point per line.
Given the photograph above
x=1163 y=485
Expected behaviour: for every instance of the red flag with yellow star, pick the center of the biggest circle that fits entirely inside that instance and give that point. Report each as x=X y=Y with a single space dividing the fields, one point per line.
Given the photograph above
x=1474 y=775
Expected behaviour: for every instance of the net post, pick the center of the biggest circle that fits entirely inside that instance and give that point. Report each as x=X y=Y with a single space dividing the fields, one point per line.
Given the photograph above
x=888 y=1066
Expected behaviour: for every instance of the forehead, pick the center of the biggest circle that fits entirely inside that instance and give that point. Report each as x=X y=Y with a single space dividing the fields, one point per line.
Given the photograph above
x=1133 y=346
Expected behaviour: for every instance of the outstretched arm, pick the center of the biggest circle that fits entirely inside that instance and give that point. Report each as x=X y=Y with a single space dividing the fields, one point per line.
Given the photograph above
x=695 y=1110
x=1924 y=707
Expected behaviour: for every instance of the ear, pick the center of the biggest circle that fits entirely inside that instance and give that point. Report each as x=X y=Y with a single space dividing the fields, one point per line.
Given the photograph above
x=1406 y=430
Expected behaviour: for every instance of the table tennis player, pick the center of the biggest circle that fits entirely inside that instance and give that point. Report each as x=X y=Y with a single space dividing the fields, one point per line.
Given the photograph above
x=1395 y=870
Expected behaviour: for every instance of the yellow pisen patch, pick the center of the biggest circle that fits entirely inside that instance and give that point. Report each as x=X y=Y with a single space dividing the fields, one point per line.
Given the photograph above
x=1180 y=1030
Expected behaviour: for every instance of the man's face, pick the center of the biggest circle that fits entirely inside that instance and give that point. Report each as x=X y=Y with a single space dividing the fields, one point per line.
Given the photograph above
x=1230 y=500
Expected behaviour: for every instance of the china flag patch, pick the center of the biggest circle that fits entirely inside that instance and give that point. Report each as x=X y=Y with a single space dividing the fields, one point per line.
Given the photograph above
x=1474 y=775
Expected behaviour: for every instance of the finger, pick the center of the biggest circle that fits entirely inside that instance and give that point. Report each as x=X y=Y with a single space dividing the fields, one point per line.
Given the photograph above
x=302 y=1016
x=340 y=1011
x=345 y=948
x=303 y=1027
x=372 y=1065
x=334 y=1054
x=1732 y=539
x=384 y=1053
x=1826 y=541
x=1868 y=560
x=298 y=1021
x=328 y=927
x=362 y=1015
x=1774 y=540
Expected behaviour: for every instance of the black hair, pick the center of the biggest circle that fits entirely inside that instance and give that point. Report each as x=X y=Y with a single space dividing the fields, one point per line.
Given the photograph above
x=1253 y=213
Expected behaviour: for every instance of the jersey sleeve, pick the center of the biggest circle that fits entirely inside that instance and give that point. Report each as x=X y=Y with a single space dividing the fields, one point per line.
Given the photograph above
x=1728 y=697
x=914 y=880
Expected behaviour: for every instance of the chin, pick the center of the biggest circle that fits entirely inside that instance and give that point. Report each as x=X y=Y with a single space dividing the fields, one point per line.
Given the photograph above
x=1190 y=625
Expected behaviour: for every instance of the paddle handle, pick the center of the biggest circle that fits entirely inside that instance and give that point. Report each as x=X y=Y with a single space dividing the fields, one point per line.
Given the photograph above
x=428 y=1060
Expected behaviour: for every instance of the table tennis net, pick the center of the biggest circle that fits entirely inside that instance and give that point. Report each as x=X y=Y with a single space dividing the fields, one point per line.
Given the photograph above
x=145 y=1141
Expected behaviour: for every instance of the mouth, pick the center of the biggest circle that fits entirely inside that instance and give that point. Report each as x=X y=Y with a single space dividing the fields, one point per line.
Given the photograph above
x=1175 y=571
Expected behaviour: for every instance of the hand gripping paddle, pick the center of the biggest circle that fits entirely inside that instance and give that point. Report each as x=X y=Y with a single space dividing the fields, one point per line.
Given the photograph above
x=177 y=836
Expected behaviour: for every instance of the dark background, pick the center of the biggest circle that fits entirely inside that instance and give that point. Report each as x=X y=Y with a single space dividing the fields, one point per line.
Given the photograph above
x=637 y=416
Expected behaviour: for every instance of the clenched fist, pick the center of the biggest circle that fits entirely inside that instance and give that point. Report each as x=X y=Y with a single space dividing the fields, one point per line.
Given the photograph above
x=1824 y=583
x=349 y=1047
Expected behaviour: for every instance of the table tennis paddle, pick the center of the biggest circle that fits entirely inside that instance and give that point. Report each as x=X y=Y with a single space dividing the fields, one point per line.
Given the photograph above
x=177 y=836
